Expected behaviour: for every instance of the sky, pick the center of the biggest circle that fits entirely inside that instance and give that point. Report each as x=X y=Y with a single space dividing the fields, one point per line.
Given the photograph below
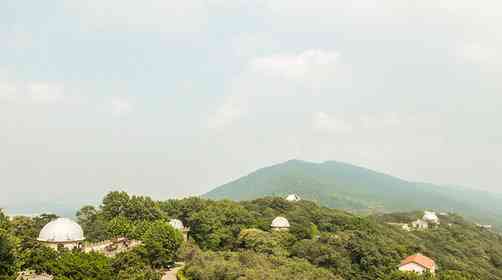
x=173 y=98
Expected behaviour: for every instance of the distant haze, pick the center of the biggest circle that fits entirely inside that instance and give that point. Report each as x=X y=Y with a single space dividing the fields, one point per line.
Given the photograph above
x=173 y=98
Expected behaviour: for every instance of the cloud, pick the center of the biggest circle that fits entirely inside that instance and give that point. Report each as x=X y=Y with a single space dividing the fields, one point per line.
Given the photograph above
x=140 y=16
x=380 y=121
x=313 y=63
x=121 y=106
x=46 y=93
x=477 y=53
x=382 y=12
x=359 y=122
x=327 y=123
x=32 y=92
x=7 y=91
x=232 y=109
x=268 y=80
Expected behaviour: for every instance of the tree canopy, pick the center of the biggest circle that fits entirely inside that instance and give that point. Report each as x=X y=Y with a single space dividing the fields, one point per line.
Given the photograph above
x=233 y=240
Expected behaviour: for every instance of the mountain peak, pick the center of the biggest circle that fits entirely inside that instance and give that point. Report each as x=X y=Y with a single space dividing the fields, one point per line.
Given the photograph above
x=342 y=185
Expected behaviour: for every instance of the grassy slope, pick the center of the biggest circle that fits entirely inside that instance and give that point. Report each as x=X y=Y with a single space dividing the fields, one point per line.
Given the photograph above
x=341 y=185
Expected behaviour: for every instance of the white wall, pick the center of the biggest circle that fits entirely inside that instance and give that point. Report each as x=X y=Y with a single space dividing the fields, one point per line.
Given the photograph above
x=413 y=267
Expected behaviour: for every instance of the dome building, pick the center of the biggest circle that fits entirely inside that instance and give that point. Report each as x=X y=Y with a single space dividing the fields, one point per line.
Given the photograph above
x=431 y=217
x=177 y=224
x=62 y=232
x=293 y=198
x=280 y=224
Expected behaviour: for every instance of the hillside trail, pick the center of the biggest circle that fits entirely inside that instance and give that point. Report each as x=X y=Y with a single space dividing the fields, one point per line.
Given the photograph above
x=171 y=274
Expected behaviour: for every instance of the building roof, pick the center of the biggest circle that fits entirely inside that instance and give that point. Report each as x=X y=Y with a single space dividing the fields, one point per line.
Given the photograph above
x=420 y=222
x=30 y=275
x=293 y=197
x=430 y=216
x=176 y=224
x=280 y=222
x=61 y=230
x=420 y=260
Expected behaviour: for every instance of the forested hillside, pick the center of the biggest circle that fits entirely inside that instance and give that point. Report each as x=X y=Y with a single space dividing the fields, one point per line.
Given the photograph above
x=233 y=240
x=340 y=185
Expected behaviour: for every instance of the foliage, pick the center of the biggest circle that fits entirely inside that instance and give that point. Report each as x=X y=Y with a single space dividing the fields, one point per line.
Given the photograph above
x=80 y=266
x=120 y=227
x=7 y=257
x=26 y=229
x=233 y=240
x=262 y=242
x=115 y=204
x=250 y=265
x=4 y=221
x=39 y=258
x=132 y=265
x=181 y=275
x=93 y=223
x=345 y=186
x=217 y=226
x=135 y=208
x=162 y=242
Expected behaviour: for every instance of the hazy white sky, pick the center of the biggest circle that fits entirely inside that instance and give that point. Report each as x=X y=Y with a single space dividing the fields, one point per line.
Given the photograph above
x=170 y=98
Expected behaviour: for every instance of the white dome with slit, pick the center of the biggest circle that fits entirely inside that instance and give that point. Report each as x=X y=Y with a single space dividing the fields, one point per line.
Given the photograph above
x=280 y=222
x=61 y=230
x=176 y=224
x=430 y=217
x=293 y=197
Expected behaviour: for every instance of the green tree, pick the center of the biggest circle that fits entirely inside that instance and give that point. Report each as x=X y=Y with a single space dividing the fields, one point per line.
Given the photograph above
x=93 y=223
x=161 y=242
x=455 y=275
x=397 y=275
x=75 y=265
x=183 y=209
x=115 y=204
x=4 y=221
x=7 y=257
x=218 y=226
x=43 y=219
x=135 y=208
x=261 y=242
x=38 y=258
x=120 y=227
x=140 y=228
x=138 y=273
x=141 y=208
x=132 y=265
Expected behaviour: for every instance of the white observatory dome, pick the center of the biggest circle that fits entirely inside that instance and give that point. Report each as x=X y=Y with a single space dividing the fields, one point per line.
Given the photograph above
x=430 y=217
x=176 y=224
x=61 y=230
x=293 y=197
x=280 y=222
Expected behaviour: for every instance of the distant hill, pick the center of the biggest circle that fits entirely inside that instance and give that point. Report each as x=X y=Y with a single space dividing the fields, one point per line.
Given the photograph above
x=341 y=185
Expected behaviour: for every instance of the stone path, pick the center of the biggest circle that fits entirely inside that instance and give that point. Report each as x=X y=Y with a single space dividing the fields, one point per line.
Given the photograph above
x=171 y=274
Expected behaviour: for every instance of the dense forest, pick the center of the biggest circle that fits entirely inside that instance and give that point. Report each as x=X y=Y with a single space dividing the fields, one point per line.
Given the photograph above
x=232 y=240
x=357 y=189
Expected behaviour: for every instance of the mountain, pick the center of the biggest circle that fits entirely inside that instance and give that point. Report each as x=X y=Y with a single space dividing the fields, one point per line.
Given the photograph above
x=341 y=185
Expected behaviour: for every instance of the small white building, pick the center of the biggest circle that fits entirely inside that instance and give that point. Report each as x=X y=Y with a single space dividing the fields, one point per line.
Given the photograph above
x=178 y=225
x=420 y=224
x=31 y=275
x=418 y=263
x=404 y=227
x=431 y=217
x=484 y=226
x=293 y=198
x=62 y=232
x=280 y=224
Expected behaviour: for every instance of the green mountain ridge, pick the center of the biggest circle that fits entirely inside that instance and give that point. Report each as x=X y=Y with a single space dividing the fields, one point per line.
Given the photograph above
x=342 y=185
